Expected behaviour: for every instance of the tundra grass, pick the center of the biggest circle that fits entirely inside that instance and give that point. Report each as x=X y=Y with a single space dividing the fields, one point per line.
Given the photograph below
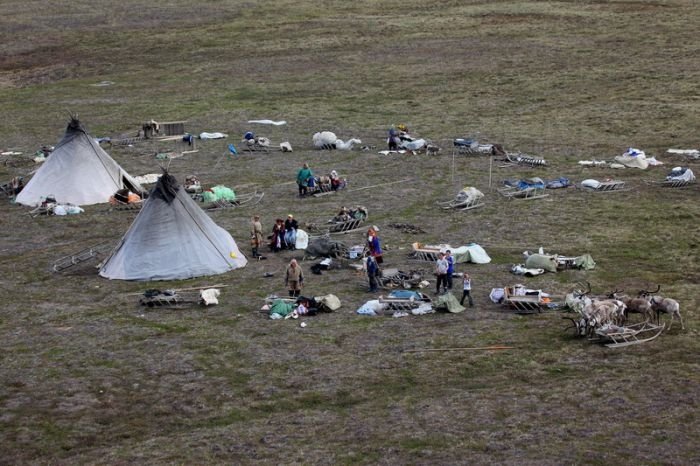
x=89 y=376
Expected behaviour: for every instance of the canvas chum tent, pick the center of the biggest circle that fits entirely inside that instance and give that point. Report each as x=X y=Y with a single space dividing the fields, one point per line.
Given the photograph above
x=78 y=172
x=172 y=238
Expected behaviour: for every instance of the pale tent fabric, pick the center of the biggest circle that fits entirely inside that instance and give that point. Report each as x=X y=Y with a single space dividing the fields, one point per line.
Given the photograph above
x=302 y=239
x=172 y=238
x=633 y=158
x=77 y=172
x=541 y=261
x=471 y=253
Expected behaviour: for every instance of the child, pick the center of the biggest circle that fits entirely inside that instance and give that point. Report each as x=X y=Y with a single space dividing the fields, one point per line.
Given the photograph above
x=466 y=290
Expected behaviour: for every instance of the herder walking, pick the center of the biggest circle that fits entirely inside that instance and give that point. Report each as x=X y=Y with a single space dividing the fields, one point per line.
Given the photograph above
x=256 y=236
x=294 y=278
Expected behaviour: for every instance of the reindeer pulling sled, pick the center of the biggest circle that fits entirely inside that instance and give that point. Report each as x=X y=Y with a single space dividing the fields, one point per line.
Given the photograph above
x=604 y=319
x=614 y=336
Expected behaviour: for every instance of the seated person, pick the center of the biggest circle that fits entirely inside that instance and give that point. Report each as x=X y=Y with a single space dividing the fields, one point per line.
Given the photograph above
x=343 y=215
x=192 y=184
x=124 y=196
x=336 y=181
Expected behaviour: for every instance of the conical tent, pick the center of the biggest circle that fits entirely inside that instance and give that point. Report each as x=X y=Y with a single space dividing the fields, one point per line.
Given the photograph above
x=172 y=238
x=78 y=172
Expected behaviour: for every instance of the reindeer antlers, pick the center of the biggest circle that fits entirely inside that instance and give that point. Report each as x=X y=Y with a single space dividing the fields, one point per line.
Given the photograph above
x=647 y=292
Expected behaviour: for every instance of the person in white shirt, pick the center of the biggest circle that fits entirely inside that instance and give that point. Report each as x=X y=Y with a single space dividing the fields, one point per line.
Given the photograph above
x=467 y=290
x=441 y=266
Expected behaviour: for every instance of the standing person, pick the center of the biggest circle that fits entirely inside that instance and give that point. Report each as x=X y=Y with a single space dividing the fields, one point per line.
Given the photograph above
x=441 y=273
x=303 y=176
x=373 y=244
x=294 y=278
x=467 y=290
x=290 y=232
x=373 y=274
x=256 y=235
x=393 y=139
x=450 y=268
x=277 y=238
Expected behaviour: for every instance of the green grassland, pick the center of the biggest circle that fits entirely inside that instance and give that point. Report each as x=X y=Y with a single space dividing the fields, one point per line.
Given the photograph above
x=87 y=376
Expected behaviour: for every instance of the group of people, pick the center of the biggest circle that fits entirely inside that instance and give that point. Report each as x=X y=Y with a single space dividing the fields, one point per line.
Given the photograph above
x=284 y=237
x=444 y=271
x=308 y=183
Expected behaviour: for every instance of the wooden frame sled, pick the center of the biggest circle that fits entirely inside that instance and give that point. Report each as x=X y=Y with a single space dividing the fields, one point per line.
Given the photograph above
x=461 y=204
x=340 y=227
x=511 y=192
x=172 y=299
x=524 y=160
x=351 y=225
x=618 y=337
x=424 y=253
x=523 y=304
x=241 y=200
x=76 y=258
x=393 y=278
x=607 y=186
x=41 y=210
x=672 y=183
x=403 y=304
x=253 y=145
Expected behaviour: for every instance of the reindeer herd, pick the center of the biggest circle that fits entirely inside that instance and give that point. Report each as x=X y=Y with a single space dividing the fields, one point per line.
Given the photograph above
x=614 y=309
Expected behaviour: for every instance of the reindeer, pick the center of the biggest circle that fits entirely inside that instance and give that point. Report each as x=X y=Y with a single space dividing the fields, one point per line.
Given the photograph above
x=595 y=312
x=660 y=304
x=633 y=305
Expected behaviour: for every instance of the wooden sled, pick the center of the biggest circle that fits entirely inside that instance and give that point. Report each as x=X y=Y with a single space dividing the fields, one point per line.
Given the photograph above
x=254 y=146
x=11 y=187
x=618 y=337
x=403 y=304
x=241 y=200
x=566 y=263
x=607 y=186
x=512 y=192
x=41 y=210
x=424 y=253
x=524 y=304
x=392 y=279
x=172 y=299
x=76 y=258
x=349 y=226
x=461 y=204
x=524 y=160
x=672 y=183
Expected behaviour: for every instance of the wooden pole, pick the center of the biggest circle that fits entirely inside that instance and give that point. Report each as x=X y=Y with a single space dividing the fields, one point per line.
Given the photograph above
x=186 y=289
x=380 y=184
x=487 y=348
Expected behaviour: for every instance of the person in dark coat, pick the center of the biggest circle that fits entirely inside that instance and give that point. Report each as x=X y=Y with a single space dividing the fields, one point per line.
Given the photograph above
x=290 y=232
x=277 y=237
x=373 y=274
